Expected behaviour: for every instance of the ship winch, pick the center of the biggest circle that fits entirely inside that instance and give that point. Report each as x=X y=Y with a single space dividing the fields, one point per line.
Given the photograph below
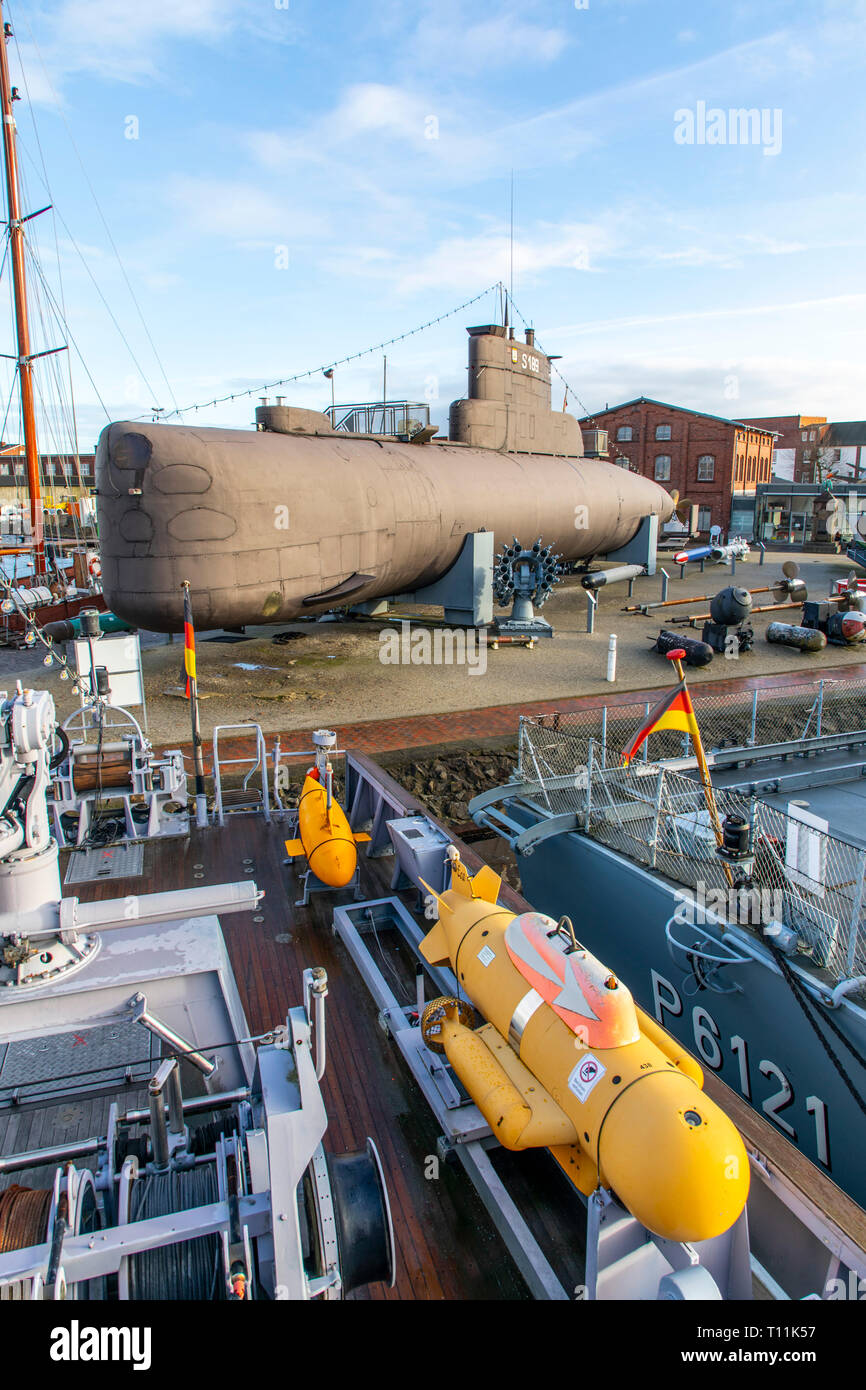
x=225 y=1196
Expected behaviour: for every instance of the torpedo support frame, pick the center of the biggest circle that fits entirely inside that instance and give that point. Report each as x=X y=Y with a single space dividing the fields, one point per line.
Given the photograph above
x=634 y=1076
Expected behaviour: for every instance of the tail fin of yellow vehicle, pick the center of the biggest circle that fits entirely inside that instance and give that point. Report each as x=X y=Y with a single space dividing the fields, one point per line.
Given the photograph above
x=484 y=885
x=434 y=947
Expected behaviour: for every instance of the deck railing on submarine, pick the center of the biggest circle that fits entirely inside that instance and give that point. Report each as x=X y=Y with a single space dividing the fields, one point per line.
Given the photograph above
x=378 y=417
x=656 y=816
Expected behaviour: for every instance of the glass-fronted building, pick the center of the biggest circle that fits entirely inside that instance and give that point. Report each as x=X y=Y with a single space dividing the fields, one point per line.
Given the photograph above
x=798 y=514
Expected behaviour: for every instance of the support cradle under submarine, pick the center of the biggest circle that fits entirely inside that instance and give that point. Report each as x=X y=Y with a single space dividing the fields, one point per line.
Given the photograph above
x=567 y=1061
x=298 y=518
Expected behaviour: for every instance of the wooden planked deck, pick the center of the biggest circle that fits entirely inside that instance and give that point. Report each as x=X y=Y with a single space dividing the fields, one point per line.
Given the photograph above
x=447 y=1247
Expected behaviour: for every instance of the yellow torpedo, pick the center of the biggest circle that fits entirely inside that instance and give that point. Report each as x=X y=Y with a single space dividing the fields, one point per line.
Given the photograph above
x=325 y=838
x=566 y=1060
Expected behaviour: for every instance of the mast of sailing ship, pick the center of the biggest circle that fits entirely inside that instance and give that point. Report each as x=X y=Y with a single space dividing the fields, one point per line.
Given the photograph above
x=22 y=325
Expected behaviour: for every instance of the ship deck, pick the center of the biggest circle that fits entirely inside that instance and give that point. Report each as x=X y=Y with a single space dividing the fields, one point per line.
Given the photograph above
x=447 y=1247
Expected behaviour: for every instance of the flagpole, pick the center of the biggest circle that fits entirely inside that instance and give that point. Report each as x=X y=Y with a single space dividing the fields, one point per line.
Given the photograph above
x=676 y=657
x=197 y=750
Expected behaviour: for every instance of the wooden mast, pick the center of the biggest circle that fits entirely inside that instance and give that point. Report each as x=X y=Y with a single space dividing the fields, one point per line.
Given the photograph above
x=22 y=326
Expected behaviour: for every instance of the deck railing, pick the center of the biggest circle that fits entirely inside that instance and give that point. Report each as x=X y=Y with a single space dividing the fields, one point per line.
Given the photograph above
x=656 y=816
x=736 y=719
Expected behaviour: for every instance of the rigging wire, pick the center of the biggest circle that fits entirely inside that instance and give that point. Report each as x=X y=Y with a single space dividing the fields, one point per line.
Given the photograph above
x=23 y=148
x=37 y=268
x=553 y=368
x=59 y=263
x=103 y=220
x=340 y=362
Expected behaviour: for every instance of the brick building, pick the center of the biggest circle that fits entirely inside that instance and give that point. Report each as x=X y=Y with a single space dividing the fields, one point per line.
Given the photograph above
x=811 y=450
x=63 y=476
x=705 y=458
x=798 y=440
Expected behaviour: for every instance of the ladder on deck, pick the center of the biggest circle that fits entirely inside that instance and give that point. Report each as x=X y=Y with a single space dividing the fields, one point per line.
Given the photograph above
x=246 y=797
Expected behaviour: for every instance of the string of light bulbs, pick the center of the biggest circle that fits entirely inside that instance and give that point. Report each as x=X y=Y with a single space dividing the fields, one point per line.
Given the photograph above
x=33 y=634
x=329 y=366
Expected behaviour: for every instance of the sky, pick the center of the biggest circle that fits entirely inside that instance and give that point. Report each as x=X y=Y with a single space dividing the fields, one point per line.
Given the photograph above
x=247 y=190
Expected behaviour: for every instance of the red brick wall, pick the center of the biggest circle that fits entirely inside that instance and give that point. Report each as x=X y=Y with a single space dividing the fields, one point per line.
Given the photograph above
x=691 y=436
x=790 y=429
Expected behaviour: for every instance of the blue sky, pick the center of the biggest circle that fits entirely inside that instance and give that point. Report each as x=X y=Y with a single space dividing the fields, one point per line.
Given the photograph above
x=284 y=203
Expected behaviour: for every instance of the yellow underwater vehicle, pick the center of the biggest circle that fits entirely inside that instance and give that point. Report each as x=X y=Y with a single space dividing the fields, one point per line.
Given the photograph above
x=567 y=1061
x=325 y=838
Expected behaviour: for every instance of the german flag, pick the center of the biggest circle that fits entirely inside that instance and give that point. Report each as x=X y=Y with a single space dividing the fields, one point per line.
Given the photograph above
x=674 y=711
x=187 y=674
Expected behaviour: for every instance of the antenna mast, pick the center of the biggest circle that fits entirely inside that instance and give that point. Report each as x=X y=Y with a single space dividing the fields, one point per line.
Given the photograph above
x=511 y=244
x=19 y=281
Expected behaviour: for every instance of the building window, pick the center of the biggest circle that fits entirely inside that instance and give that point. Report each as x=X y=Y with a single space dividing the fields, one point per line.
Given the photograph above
x=705 y=518
x=663 y=431
x=624 y=434
x=663 y=468
x=706 y=468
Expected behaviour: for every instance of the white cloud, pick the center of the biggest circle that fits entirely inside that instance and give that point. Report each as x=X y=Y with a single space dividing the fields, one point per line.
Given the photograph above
x=464 y=262
x=694 y=315
x=121 y=40
x=492 y=43
x=232 y=207
x=733 y=387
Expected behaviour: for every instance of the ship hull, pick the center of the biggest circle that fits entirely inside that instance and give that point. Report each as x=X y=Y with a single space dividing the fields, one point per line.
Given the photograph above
x=754 y=1037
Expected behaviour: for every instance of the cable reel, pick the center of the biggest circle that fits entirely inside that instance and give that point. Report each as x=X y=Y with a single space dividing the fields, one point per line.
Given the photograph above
x=39 y=1216
x=346 y=1228
x=187 y=1271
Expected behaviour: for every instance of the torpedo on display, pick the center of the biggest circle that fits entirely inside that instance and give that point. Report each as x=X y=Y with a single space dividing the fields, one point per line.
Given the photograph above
x=735 y=549
x=566 y=1060
x=297 y=517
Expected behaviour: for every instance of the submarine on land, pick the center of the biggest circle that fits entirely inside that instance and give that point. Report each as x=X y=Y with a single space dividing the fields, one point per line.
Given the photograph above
x=297 y=517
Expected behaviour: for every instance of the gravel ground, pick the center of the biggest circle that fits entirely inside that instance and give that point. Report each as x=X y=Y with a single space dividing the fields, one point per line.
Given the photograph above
x=331 y=673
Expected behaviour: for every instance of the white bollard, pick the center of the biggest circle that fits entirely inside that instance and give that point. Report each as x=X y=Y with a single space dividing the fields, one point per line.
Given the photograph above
x=611 y=657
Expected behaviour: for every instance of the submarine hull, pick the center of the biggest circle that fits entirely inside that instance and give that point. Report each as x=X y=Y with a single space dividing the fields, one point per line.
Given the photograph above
x=269 y=526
